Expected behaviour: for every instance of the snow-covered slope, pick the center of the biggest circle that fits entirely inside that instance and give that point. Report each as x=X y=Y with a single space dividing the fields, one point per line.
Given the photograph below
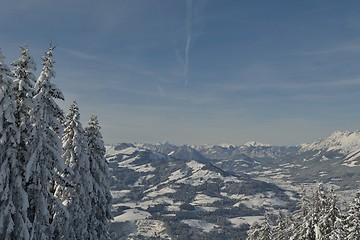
x=156 y=189
x=256 y=144
x=342 y=141
x=180 y=152
x=352 y=159
x=203 y=192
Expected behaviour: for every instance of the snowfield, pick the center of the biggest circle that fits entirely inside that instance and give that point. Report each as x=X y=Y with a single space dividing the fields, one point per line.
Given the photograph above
x=151 y=228
x=204 y=226
x=202 y=199
x=131 y=215
x=160 y=192
x=238 y=221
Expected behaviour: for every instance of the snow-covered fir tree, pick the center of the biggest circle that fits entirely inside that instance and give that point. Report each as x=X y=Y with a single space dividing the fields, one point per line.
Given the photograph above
x=302 y=226
x=46 y=163
x=331 y=214
x=38 y=191
x=13 y=220
x=261 y=231
x=320 y=205
x=101 y=198
x=77 y=197
x=22 y=90
x=318 y=218
x=254 y=231
x=338 y=232
x=266 y=229
x=352 y=222
x=283 y=224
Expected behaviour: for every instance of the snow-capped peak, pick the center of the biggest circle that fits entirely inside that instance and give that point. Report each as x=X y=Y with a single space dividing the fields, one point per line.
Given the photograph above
x=256 y=144
x=343 y=141
x=227 y=145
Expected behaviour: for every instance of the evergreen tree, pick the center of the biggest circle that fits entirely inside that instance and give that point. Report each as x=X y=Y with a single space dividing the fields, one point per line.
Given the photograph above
x=77 y=197
x=318 y=211
x=280 y=231
x=254 y=231
x=303 y=223
x=101 y=198
x=7 y=142
x=330 y=216
x=352 y=222
x=22 y=90
x=260 y=231
x=338 y=232
x=265 y=229
x=46 y=162
x=318 y=218
x=13 y=222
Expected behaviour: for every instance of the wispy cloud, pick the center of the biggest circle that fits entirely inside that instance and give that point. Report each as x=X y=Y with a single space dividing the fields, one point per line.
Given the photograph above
x=188 y=38
x=78 y=54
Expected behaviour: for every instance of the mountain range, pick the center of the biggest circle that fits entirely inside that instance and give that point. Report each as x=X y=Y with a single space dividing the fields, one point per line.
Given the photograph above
x=164 y=191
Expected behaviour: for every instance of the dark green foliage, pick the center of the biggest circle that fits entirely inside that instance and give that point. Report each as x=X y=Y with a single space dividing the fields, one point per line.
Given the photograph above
x=158 y=208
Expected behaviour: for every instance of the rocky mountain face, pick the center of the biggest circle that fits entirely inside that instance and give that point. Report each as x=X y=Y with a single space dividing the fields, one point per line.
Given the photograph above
x=163 y=191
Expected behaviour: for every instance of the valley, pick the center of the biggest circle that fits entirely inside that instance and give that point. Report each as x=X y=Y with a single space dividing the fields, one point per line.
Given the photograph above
x=164 y=191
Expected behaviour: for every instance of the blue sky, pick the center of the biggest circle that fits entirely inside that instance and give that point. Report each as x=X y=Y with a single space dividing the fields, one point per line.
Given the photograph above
x=199 y=71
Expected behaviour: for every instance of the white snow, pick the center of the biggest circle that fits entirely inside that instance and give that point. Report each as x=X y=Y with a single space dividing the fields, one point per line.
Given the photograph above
x=261 y=200
x=203 y=225
x=202 y=199
x=200 y=176
x=234 y=196
x=291 y=195
x=256 y=144
x=194 y=165
x=176 y=175
x=131 y=215
x=119 y=194
x=289 y=165
x=155 y=201
x=173 y=208
x=206 y=209
x=143 y=168
x=351 y=159
x=161 y=192
x=127 y=204
x=127 y=162
x=238 y=221
x=351 y=164
x=110 y=150
x=226 y=145
x=344 y=142
x=139 y=168
x=151 y=228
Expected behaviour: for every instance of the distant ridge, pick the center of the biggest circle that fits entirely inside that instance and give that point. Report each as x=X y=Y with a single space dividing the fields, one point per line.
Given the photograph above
x=342 y=141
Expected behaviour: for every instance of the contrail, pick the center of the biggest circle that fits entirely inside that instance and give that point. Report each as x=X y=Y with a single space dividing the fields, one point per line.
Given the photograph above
x=188 y=38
